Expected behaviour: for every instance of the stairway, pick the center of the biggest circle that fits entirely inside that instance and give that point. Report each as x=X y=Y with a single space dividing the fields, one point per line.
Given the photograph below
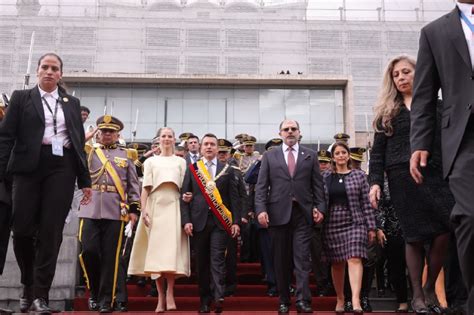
x=249 y=296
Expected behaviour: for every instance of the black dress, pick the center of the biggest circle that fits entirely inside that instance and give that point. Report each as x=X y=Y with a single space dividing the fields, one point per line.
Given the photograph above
x=423 y=210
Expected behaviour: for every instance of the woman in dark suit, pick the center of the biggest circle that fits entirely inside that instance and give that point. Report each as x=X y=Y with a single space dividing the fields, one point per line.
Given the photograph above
x=42 y=146
x=423 y=210
x=350 y=223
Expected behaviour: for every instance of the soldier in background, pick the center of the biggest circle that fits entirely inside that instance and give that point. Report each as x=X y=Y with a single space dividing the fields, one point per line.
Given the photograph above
x=115 y=199
x=238 y=146
x=224 y=156
x=357 y=157
x=324 y=158
x=340 y=137
x=249 y=250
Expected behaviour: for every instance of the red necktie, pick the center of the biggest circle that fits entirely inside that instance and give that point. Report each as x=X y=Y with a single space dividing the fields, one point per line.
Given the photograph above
x=291 y=161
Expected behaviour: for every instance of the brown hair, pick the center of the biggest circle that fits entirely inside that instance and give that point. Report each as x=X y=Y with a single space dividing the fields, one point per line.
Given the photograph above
x=333 y=148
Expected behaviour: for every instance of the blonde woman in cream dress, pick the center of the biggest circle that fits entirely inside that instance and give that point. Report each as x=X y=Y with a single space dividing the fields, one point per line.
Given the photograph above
x=161 y=248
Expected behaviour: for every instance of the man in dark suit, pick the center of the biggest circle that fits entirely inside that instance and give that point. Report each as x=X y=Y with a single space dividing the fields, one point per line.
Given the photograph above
x=446 y=62
x=193 y=149
x=42 y=146
x=208 y=228
x=289 y=198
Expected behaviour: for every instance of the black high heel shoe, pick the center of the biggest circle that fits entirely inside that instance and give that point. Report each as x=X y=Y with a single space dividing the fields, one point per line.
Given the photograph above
x=431 y=301
x=420 y=310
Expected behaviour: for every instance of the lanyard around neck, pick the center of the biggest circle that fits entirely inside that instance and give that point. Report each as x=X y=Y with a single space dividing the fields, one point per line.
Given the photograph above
x=55 y=114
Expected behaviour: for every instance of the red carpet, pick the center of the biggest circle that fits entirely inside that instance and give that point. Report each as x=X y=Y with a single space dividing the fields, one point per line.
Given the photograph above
x=249 y=296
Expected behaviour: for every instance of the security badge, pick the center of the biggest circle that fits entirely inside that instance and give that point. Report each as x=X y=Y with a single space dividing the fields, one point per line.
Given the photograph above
x=120 y=162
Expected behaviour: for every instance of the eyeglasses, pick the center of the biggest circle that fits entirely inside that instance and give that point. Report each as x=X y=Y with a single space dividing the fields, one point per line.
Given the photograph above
x=289 y=128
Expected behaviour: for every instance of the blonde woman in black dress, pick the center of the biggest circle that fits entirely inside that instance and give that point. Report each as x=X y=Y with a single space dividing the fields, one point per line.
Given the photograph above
x=423 y=210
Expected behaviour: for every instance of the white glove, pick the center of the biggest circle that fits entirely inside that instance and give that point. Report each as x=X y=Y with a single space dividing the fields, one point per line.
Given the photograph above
x=128 y=229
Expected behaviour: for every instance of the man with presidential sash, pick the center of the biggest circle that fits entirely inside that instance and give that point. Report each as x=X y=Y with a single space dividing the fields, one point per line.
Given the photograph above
x=210 y=211
x=115 y=200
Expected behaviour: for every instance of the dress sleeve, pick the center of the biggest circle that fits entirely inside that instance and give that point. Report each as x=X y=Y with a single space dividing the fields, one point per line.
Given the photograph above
x=367 y=209
x=377 y=159
x=148 y=173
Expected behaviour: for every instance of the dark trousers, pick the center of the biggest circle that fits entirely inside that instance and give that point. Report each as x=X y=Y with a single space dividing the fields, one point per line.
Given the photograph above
x=124 y=259
x=41 y=202
x=101 y=243
x=395 y=251
x=231 y=265
x=249 y=250
x=291 y=242
x=460 y=182
x=210 y=245
x=266 y=257
x=321 y=269
x=456 y=294
x=5 y=215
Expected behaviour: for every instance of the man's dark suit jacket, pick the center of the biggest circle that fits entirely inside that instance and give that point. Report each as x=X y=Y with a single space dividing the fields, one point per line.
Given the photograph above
x=443 y=62
x=196 y=212
x=276 y=189
x=188 y=159
x=22 y=130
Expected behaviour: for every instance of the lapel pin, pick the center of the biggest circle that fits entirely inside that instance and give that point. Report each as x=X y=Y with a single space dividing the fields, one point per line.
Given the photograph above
x=65 y=99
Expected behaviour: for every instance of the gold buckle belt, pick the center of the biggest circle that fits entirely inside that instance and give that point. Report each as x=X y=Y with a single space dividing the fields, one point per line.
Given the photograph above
x=104 y=188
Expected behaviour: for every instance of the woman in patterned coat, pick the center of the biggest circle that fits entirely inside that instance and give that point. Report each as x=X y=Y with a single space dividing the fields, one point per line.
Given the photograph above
x=350 y=224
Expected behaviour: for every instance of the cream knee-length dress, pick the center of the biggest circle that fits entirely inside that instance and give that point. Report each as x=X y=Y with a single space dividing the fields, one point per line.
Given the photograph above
x=163 y=247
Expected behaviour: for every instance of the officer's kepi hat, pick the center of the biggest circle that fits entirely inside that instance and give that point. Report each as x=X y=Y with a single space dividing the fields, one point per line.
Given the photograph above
x=109 y=122
x=273 y=143
x=224 y=145
x=140 y=147
x=357 y=154
x=324 y=156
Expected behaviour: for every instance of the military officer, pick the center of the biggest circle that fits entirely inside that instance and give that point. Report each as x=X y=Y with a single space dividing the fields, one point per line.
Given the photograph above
x=357 y=157
x=340 y=137
x=142 y=149
x=115 y=198
x=324 y=158
x=249 y=251
x=238 y=146
x=250 y=155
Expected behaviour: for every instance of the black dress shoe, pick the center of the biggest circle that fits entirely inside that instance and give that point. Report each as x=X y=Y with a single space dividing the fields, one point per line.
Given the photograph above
x=204 y=308
x=5 y=311
x=25 y=304
x=141 y=282
x=272 y=292
x=121 y=307
x=218 y=306
x=93 y=305
x=26 y=299
x=365 y=303
x=39 y=306
x=106 y=309
x=303 y=307
x=358 y=311
x=283 y=308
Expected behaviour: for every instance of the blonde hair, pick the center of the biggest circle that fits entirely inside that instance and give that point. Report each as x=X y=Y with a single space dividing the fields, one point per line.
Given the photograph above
x=390 y=99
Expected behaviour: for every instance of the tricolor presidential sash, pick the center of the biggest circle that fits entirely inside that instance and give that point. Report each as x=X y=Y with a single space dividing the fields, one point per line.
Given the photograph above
x=211 y=193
